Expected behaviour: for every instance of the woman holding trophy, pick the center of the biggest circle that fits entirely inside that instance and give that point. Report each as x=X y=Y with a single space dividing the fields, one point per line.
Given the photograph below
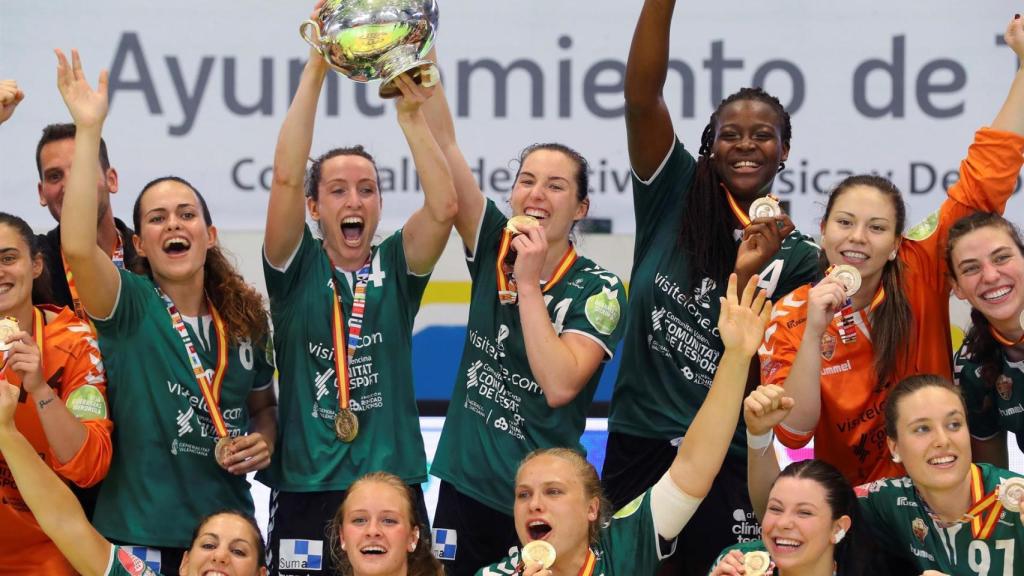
x=882 y=313
x=182 y=339
x=542 y=320
x=343 y=309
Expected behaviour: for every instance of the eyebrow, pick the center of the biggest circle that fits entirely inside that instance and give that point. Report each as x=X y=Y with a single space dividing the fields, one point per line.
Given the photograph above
x=954 y=412
x=532 y=175
x=811 y=504
x=9 y=249
x=179 y=206
x=851 y=214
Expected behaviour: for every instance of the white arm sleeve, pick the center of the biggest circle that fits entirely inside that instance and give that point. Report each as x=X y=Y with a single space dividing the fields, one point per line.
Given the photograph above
x=671 y=508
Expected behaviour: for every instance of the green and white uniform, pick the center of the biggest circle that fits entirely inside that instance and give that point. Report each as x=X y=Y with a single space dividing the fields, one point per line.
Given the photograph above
x=992 y=406
x=895 y=511
x=628 y=545
x=163 y=477
x=498 y=412
x=671 y=347
x=309 y=456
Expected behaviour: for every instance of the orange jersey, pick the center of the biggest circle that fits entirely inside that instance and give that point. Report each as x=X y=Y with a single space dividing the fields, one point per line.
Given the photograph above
x=851 y=428
x=73 y=368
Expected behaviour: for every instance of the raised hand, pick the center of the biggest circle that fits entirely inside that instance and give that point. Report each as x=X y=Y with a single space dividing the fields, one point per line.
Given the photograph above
x=1014 y=35
x=413 y=94
x=765 y=408
x=823 y=301
x=531 y=248
x=10 y=97
x=762 y=239
x=743 y=319
x=88 y=107
x=26 y=360
x=730 y=565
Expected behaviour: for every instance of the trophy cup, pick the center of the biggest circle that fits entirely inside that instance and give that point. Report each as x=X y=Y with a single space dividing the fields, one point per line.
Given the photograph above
x=375 y=39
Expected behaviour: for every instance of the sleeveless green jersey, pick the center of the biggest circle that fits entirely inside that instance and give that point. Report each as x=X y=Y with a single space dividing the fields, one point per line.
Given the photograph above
x=163 y=476
x=498 y=412
x=671 y=347
x=895 y=511
x=310 y=457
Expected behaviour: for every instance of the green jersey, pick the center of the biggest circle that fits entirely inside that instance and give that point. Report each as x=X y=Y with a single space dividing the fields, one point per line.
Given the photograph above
x=627 y=544
x=992 y=406
x=498 y=412
x=900 y=519
x=671 y=347
x=163 y=476
x=309 y=456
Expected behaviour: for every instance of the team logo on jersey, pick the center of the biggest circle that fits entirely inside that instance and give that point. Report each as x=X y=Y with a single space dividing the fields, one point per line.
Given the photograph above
x=503 y=333
x=1004 y=386
x=828 y=346
x=133 y=565
x=87 y=403
x=920 y=529
x=925 y=228
x=701 y=293
x=602 y=310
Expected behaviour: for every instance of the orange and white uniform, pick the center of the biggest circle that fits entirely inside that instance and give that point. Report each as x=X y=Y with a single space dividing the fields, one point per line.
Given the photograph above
x=851 y=428
x=73 y=368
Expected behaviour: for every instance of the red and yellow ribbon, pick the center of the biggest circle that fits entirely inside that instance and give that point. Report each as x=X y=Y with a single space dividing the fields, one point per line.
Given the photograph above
x=507 y=284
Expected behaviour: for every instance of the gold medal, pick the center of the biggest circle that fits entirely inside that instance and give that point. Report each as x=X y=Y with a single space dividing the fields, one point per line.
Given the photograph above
x=848 y=276
x=346 y=425
x=538 y=552
x=521 y=223
x=223 y=449
x=765 y=207
x=1010 y=493
x=756 y=563
x=8 y=327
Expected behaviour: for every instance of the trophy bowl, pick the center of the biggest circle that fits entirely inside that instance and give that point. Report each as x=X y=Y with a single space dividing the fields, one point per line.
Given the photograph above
x=375 y=39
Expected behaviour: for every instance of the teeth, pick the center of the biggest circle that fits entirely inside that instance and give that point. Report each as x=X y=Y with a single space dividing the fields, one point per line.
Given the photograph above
x=370 y=549
x=536 y=212
x=176 y=242
x=996 y=293
x=745 y=164
x=6 y=288
x=943 y=460
x=855 y=255
x=352 y=220
x=786 y=542
x=538 y=523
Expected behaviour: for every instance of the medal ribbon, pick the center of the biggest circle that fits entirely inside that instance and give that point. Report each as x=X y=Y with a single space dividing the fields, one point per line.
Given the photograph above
x=742 y=217
x=343 y=353
x=117 y=257
x=589 y=564
x=982 y=527
x=507 y=293
x=1006 y=342
x=210 y=390
x=847 y=325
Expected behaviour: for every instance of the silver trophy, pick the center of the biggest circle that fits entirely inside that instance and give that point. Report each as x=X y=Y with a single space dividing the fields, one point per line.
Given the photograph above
x=375 y=39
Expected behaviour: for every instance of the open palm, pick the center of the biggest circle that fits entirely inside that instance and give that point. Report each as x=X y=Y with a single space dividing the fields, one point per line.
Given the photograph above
x=88 y=107
x=743 y=318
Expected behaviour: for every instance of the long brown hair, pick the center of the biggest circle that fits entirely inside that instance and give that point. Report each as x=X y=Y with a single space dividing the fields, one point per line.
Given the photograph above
x=239 y=304
x=891 y=321
x=421 y=561
x=979 y=343
x=41 y=287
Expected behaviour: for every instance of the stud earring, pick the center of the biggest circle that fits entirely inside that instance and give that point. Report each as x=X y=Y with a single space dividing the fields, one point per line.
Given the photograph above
x=896 y=458
x=892 y=255
x=840 y=534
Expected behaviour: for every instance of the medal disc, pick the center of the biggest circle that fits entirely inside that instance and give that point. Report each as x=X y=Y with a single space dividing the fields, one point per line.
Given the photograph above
x=756 y=563
x=8 y=327
x=223 y=450
x=1021 y=319
x=765 y=207
x=538 y=552
x=346 y=425
x=848 y=276
x=519 y=224
x=1010 y=493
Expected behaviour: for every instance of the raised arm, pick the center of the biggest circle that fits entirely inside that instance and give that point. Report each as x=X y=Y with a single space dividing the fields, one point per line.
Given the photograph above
x=1011 y=115
x=648 y=123
x=763 y=410
x=427 y=230
x=286 y=210
x=10 y=97
x=54 y=506
x=96 y=277
x=470 y=198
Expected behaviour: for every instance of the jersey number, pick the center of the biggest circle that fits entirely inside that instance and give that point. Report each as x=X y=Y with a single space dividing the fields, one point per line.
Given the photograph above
x=979 y=558
x=561 y=309
x=770 y=277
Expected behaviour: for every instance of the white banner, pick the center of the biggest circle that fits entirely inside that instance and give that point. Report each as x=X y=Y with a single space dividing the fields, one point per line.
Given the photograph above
x=199 y=89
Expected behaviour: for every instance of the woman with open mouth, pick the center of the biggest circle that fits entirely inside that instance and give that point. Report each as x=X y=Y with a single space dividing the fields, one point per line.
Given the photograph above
x=560 y=511
x=946 y=514
x=183 y=339
x=701 y=214
x=985 y=255
x=343 y=307
x=543 y=319
x=882 y=312
x=51 y=357
x=226 y=543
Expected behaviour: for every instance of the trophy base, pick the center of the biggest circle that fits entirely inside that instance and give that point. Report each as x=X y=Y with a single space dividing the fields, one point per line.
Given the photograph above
x=401 y=61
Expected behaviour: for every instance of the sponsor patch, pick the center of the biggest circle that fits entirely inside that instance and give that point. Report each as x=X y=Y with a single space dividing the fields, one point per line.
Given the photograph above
x=87 y=403
x=603 y=311
x=139 y=560
x=925 y=228
x=301 y=555
x=446 y=543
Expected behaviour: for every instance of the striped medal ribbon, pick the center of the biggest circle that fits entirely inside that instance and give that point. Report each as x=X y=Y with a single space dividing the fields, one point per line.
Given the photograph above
x=117 y=257
x=346 y=423
x=507 y=292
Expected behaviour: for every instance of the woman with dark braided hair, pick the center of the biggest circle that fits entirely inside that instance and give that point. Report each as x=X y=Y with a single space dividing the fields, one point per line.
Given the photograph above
x=839 y=350
x=692 y=231
x=985 y=256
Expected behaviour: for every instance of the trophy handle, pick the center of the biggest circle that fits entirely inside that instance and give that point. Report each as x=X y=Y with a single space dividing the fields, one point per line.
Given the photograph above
x=304 y=32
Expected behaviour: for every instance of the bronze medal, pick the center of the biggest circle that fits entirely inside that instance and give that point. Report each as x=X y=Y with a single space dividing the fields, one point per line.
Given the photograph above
x=848 y=276
x=346 y=425
x=765 y=207
x=756 y=563
x=538 y=552
x=8 y=327
x=223 y=450
x=1010 y=493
